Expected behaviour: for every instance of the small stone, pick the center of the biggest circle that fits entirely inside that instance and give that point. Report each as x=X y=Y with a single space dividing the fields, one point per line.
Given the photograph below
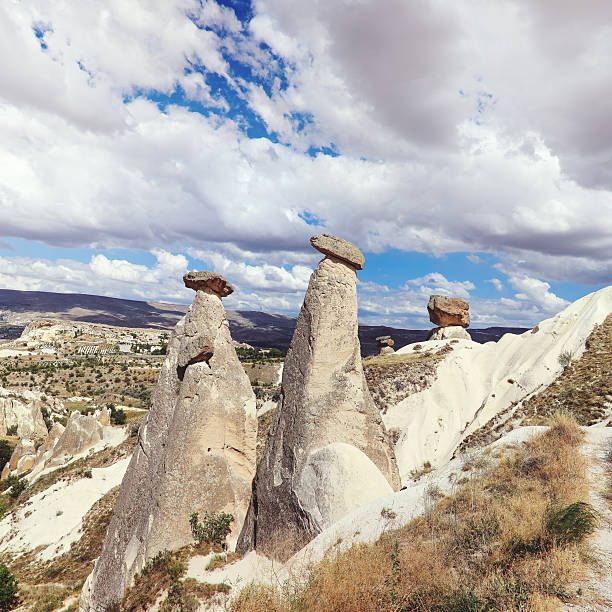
x=337 y=247
x=445 y=311
x=203 y=280
x=381 y=339
x=386 y=350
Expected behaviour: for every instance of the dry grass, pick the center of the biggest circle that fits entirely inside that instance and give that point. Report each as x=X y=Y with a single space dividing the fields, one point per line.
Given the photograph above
x=488 y=546
x=162 y=574
x=222 y=560
x=392 y=378
x=581 y=390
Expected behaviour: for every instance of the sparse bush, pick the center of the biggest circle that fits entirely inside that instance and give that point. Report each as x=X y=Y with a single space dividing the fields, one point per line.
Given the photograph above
x=17 y=489
x=9 y=589
x=571 y=524
x=87 y=473
x=214 y=528
x=6 y=450
x=12 y=430
x=565 y=358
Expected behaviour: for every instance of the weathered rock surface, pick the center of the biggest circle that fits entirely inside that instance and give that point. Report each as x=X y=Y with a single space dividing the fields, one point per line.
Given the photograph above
x=445 y=311
x=385 y=345
x=24 y=452
x=208 y=281
x=26 y=415
x=302 y=481
x=82 y=432
x=452 y=331
x=337 y=247
x=196 y=452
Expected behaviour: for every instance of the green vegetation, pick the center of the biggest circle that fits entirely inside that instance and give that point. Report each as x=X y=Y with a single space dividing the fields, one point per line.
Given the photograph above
x=6 y=450
x=164 y=572
x=214 y=528
x=9 y=589
x=254 y=355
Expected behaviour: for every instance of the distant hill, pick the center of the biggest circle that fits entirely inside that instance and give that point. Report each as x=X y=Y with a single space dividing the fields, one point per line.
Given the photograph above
x=259 y=329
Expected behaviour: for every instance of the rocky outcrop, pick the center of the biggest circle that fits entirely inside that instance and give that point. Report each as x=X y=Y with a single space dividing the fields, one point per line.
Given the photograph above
x=22 y=458
x=385 y=345
x=445 y=333
x=445 y=311
x=327 y=423
x=82 y=432
x=21 y=412
x=196 y=449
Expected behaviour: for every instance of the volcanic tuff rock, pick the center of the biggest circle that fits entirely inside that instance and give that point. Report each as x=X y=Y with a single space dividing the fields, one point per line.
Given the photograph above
x=336 y=247
x=82 y=431
x=385 y=345
x=208 y=281
x=27 y=417
x=22 y=458
x=445 y=311
x=452 y=331
x=327 y=427
x=196 y=452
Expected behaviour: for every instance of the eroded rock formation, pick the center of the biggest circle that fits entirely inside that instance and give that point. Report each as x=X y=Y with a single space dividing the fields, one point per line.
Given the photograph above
x=327 y=433
x=25 y=415
x=445 y=311
x=196 y=449
x=385 y=345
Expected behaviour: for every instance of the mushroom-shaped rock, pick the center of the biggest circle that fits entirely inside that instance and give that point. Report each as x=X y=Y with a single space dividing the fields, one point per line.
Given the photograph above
x=337 y=247
x=301 y=485
x=209 y=282
x=385 y=344
x=196 y=449
x=445 y=311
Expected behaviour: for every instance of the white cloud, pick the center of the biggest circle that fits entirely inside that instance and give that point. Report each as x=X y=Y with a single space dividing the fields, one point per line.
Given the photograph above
x=436 y=283
x=456 y=134
x=473 y=258
x=101 y=276
x=496 y=283
x=537 y=292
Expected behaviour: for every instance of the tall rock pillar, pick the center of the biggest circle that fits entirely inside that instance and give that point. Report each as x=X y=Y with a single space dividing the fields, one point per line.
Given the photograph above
x=327 y=451
x=196 y=450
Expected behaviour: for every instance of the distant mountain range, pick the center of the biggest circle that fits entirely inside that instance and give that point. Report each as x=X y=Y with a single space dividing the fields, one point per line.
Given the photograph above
x=259 y=329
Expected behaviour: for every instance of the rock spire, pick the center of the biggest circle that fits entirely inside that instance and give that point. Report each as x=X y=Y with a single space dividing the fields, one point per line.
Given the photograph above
x=196 y=449
x=327 y=451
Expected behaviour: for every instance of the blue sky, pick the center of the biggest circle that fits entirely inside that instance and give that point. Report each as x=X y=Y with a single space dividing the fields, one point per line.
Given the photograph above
x=141 y=140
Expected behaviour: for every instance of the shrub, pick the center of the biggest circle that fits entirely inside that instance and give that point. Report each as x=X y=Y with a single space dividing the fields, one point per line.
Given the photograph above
x=5 y=453
x=571 y=524
x=12 y=430
x=117 y=415
x=9 y=589
x=17 y=489
x=214 y=528
x=565 y=358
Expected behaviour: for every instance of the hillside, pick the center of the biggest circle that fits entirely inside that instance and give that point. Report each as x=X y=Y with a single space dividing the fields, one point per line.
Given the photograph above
x=259 y=329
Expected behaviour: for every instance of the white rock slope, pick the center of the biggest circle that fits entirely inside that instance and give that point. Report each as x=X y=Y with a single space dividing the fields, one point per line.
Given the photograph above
x=477 y=381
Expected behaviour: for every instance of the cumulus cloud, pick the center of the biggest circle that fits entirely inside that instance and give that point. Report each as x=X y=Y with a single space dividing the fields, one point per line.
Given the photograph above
x=436 y=283
x=496 y=283
x=454 y=133
x=100 y=276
